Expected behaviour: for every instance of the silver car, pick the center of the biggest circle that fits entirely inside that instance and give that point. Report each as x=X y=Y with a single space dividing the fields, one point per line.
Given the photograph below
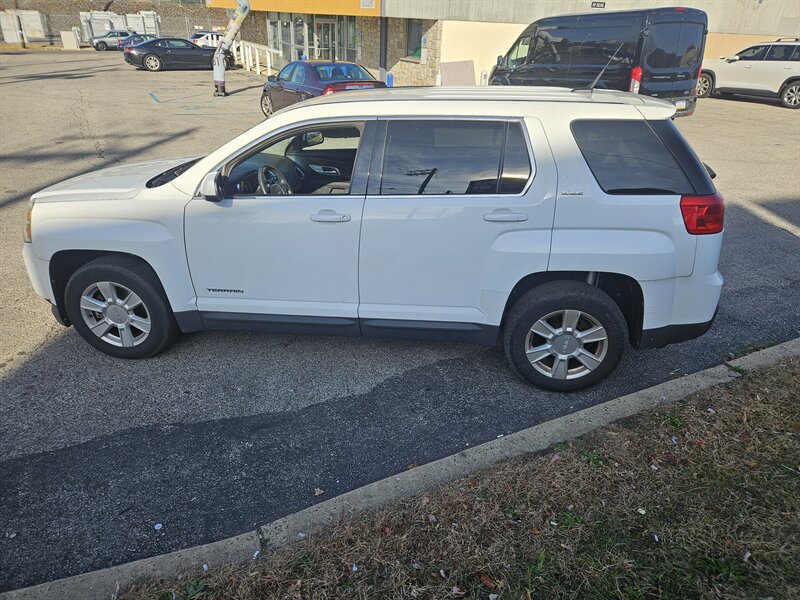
x=109 y=40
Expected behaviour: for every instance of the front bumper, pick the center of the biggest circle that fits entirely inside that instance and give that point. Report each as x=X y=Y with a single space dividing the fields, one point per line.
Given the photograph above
x=38 y=272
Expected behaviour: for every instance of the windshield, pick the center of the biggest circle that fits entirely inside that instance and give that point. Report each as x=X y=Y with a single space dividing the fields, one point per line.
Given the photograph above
x=342 y=72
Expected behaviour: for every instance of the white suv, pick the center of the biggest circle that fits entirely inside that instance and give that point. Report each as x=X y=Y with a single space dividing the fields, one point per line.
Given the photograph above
x=565 y=224
x=766 y=69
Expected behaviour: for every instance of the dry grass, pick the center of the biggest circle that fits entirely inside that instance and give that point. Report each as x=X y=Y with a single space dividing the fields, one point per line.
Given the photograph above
x=627 y=512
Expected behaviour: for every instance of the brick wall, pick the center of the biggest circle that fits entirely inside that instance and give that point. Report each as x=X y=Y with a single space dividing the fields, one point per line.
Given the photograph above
x=406 y=71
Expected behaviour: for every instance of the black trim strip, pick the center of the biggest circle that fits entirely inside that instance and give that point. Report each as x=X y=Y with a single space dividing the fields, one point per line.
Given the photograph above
x=475 y=333
x=672 y=334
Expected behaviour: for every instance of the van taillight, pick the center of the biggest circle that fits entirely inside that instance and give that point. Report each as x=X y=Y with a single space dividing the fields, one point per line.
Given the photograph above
x=328 y=90
x=703 y=215
x=636 y=79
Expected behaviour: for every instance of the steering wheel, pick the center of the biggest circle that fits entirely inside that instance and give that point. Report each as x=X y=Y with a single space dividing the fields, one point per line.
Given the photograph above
x=272 y=182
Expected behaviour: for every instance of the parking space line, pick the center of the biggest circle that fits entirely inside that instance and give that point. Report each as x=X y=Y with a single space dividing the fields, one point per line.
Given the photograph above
x=770 y=217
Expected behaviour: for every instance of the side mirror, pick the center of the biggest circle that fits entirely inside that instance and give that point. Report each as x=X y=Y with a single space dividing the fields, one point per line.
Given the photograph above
x=272 y=79
x=731 y=59
x=209 y=189
x=313 y=138
x=499 y=60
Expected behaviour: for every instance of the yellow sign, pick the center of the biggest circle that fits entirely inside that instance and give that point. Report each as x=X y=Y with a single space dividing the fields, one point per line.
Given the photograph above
x=361 y=8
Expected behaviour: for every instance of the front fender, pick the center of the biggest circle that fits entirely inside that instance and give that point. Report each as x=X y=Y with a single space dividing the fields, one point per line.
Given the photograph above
x=158 y=243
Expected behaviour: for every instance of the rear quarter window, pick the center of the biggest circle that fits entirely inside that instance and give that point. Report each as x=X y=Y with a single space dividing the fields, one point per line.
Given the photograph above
x=628 y=157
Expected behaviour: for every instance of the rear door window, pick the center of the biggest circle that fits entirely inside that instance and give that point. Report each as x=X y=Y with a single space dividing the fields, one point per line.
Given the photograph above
x=782 y=53
x=424 y=157
x=627 y=157
x=552 y=45
x=673 y=45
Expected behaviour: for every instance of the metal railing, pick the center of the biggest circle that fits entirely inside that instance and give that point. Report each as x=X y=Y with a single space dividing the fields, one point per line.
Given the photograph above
x=256 y=57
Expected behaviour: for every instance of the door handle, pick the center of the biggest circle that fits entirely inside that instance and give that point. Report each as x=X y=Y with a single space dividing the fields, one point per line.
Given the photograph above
x=329 y=216
x=324 y=169
x=505 y=217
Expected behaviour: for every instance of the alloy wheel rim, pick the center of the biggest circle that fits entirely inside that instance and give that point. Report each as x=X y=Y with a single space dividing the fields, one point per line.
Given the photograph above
x=566 y=344
x=152 y=62
x=792 y=95
x=702 y=85
x=115 y=314
x=266 y=105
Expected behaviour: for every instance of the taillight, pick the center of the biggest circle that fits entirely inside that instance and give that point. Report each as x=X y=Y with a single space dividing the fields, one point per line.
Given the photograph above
x=703 y=215
x=328 y=90
x=636 y=79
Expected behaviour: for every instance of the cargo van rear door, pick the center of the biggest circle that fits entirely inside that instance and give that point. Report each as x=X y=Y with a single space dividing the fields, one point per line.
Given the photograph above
x=672 y=53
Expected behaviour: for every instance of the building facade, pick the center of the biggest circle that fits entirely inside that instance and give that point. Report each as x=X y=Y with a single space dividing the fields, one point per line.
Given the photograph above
x=426 y=42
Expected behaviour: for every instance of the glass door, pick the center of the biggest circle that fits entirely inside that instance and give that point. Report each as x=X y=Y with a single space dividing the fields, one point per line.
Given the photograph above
x=325 y=39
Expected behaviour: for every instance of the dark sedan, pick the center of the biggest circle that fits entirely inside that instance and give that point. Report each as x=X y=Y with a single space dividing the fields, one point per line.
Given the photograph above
x=304 y=79
x=171 y=53
x=136 y=38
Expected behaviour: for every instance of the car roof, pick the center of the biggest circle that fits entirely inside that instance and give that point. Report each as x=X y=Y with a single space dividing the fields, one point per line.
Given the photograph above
x=500 y=93
x=328 y=62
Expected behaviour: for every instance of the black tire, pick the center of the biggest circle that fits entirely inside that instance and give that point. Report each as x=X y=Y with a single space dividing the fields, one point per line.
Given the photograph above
x=101 y=46
x=595 y=308
x=705 y=85
x=137 y=277
x=266 y=105
x=152 y=63
x=790 y=95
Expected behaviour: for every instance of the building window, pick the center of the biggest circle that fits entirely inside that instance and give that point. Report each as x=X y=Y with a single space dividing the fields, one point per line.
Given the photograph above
x=414 y=38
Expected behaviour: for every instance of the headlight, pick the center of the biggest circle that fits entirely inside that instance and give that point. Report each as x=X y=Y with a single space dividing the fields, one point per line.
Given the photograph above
x=26 y=233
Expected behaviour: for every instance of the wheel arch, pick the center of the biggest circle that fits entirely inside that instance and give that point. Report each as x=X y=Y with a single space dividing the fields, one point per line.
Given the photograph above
x=64 y=263
x=789 y=81
x=711 y=75
x=624 y=290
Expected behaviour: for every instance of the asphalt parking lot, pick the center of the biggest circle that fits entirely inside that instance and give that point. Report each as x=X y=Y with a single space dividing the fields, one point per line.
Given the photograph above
x=227 y=431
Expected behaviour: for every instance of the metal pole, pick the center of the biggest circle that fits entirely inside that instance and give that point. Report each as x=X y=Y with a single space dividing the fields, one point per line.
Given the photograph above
x=384 y=47
x=230 y=33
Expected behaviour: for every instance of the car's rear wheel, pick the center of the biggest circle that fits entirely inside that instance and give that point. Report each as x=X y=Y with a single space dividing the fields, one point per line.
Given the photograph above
x=118 y=306
x=266 y=105
x=790 y=95
x=705 y=85
x=152 y=63
x=101 y=46
x=564 y=336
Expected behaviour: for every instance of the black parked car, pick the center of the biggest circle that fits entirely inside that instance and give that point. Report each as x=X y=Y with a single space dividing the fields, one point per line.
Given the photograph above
x=303 y=79
x=655 y=52
x=171 y=53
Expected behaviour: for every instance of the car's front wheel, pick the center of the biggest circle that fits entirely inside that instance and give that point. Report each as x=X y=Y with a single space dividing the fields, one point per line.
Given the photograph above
x=152 y=63
x=790 y=95
x=564 y=336
x=266 y=105
x=101 y=46
x=705 y=85
x=118 y=305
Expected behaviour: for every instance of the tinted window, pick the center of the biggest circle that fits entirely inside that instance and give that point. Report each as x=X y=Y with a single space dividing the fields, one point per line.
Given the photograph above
x=299 y=74
x=627 y=157
x=516 y=162
x=178 y=44
x=596 y=45
x=796 y=55
x=754 y=53
x=551 y=44
x=161 y=43
x=341 y=72
x=673 y=45
x=519 y=52
x=286 y=73
x=779 y=53
x=442 y=157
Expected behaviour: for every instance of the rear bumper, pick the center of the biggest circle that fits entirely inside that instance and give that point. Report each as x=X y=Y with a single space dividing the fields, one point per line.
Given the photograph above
x=684 y=105
x=673 y=334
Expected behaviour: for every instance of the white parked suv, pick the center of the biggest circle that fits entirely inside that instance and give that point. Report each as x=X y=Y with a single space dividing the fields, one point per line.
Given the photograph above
x=766 y=69
x=564 y=224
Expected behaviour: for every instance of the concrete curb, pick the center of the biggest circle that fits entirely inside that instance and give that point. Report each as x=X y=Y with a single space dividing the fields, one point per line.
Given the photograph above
x=105 y=583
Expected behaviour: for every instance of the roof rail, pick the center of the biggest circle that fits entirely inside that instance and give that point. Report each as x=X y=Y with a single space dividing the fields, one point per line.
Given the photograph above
x=789 y=39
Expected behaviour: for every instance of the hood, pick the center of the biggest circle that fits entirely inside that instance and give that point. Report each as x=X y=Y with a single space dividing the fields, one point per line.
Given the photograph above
x=121 y=182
